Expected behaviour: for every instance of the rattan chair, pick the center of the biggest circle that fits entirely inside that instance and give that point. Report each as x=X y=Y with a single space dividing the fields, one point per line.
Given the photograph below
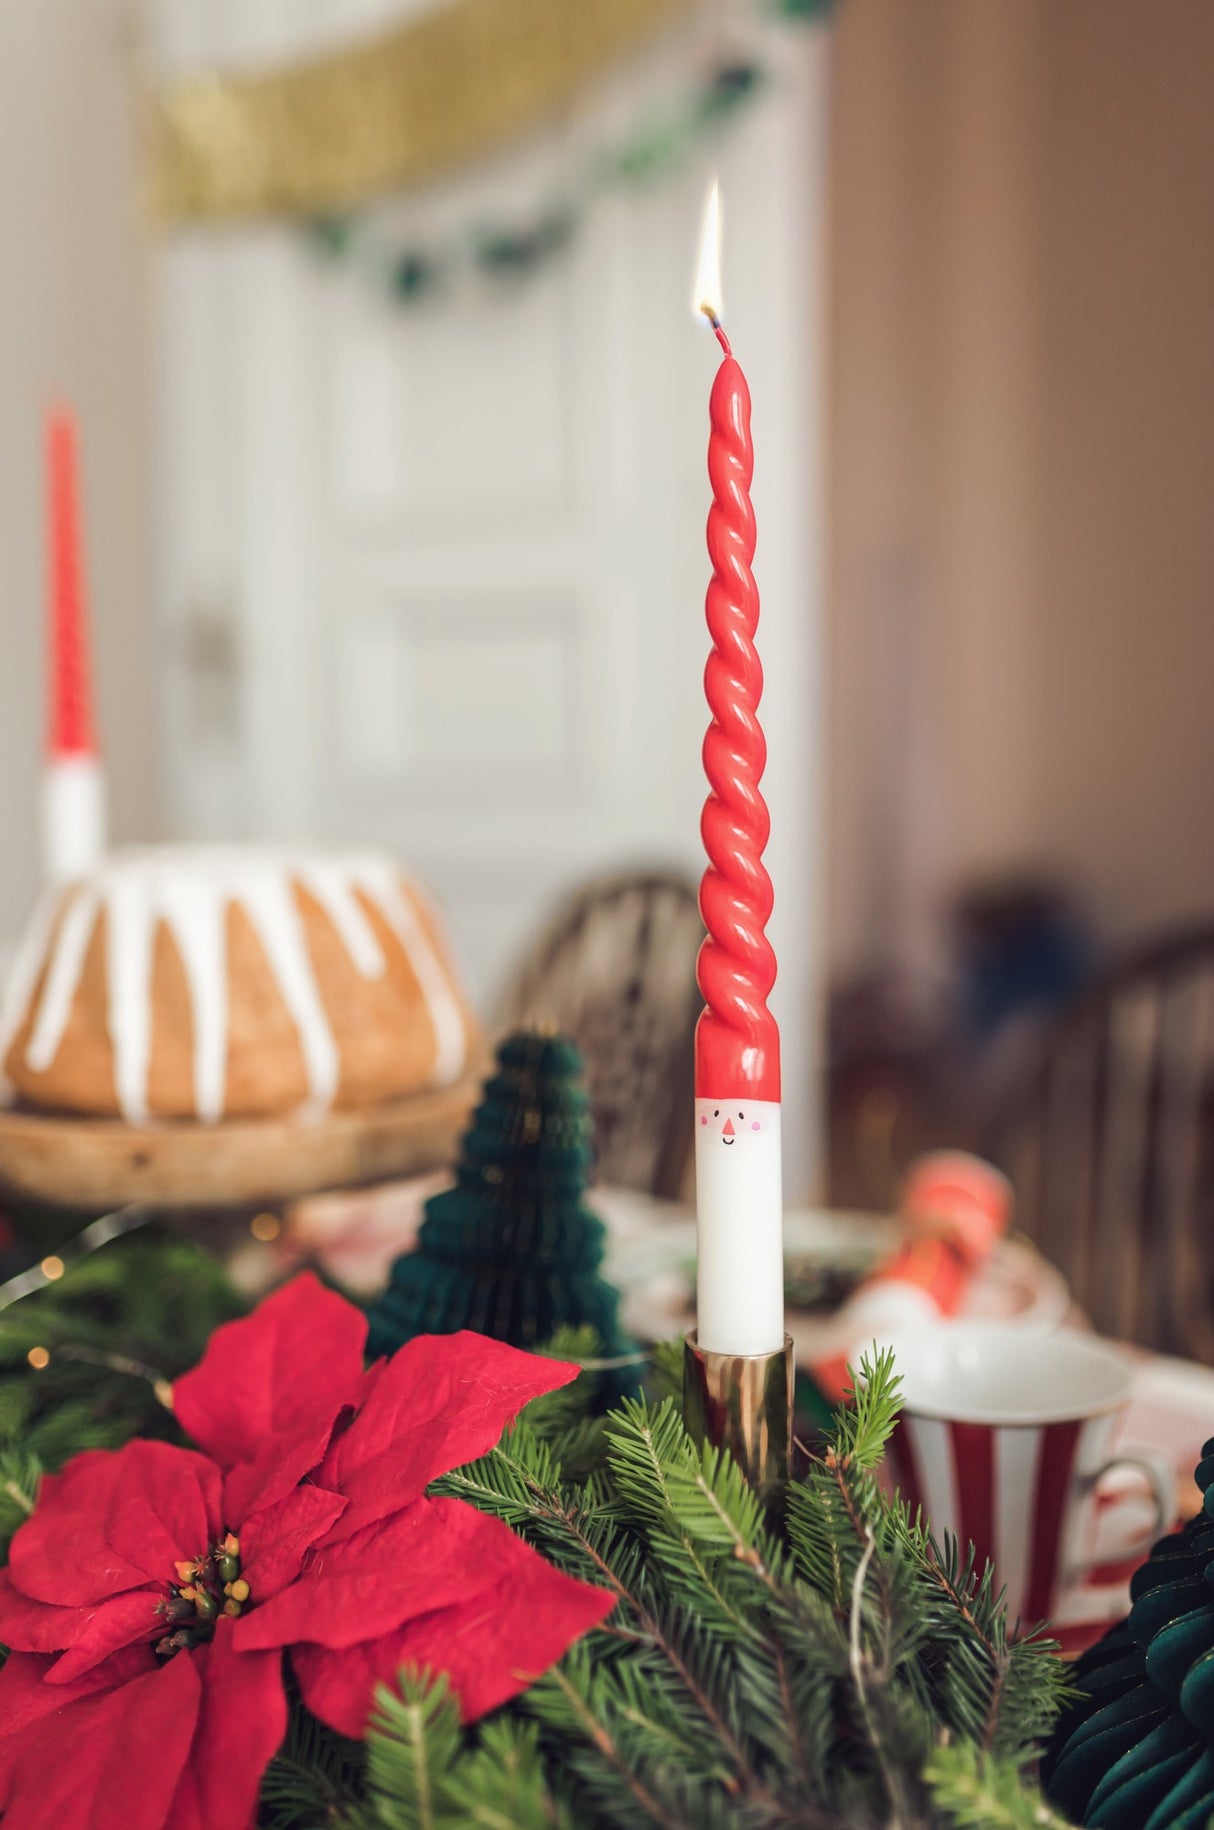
x=1110 y=1146
x=615 y=969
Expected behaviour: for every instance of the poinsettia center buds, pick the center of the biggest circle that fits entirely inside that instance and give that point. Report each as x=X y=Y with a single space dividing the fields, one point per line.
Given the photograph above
x=206 y=1587
x=228 y=1558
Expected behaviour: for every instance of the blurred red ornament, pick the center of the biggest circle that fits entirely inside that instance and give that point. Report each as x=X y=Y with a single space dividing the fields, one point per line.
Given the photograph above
x=955 y=1209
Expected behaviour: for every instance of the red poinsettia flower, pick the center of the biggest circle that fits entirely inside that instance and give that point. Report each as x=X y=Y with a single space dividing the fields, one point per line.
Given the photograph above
x=151 y=1595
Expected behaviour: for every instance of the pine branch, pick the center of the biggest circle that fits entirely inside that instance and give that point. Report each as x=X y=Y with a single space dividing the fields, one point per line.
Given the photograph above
x=974 y=1792
x=313 y=1779
x=20 y=1472
x=501 y=1784
x=593 y=1728
x=866 y=1421
x=666 y=1369
x=425 y=1773
x=774 y=1684
x=412 y=1745
x=832 y=1511
x=86 y=1360
x=851 y=1672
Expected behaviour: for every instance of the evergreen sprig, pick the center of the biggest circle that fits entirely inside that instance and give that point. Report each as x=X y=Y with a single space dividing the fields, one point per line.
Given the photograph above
x=844 y=1670
x=88 y=1361
x=316 y=1778
x=20 y=1472
x=973 y=1792
x=745 y=1678
x=423 y=1775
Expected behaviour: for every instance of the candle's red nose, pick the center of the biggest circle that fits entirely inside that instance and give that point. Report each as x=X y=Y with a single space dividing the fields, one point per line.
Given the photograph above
x=728 y=1130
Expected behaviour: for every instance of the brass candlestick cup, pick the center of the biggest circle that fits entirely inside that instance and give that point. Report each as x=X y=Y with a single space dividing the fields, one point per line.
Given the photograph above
x=743 y=1402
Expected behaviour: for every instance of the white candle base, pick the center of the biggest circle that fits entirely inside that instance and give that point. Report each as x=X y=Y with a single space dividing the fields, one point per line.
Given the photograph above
x=73 y=816
x=740 y=1227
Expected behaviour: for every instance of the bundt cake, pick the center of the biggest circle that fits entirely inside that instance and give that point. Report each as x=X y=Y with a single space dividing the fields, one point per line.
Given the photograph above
x=192 y=982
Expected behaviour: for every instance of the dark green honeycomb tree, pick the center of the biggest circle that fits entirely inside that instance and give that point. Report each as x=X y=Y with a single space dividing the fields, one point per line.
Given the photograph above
x=1136 y=1749
x=511 y=1250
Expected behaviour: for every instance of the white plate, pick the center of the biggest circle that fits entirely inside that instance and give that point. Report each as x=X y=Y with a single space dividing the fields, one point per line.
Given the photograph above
x=651 y=1260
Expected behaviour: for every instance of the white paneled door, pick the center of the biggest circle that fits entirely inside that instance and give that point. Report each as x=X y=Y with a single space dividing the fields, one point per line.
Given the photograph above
x=433 y=574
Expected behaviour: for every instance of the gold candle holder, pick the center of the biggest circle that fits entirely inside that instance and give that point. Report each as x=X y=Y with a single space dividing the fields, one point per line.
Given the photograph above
x=743 y=1402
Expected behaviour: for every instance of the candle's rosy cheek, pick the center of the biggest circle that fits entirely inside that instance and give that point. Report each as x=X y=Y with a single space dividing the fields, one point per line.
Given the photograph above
x=703 y=1121
x=755 y=1125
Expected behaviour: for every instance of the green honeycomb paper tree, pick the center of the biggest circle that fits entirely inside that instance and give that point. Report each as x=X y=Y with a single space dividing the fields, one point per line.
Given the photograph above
x=1135 y=1750
x=512 y=1250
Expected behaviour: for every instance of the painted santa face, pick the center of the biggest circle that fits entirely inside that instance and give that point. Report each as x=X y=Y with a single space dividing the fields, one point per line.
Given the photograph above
x=734 y=1123
x=739 y=1215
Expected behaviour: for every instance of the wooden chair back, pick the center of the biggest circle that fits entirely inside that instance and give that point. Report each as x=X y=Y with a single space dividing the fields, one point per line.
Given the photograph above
x=615 y=969
x=1111 y=1148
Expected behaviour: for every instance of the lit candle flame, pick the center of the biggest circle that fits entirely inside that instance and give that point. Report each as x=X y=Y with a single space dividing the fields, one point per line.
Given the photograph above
x=706 y=289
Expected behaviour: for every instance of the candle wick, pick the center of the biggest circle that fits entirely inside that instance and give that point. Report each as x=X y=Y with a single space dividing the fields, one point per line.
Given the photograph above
x=713 y=319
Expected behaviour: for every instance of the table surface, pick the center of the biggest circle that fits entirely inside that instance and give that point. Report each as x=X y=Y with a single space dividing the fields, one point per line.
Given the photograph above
x=651 y=1258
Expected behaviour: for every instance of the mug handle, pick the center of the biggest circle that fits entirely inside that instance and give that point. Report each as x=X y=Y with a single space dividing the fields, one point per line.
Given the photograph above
x=1160 y=1478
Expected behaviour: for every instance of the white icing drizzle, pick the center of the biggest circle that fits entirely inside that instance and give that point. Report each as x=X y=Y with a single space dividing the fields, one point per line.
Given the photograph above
x=190 y=890
x=130 y=935
x=334 y=890
x=272 y=909
x=22 y=975
x=382 y=882
x=67 y=964
x=199 y=926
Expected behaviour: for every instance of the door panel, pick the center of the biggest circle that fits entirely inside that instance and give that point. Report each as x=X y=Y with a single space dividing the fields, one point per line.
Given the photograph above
x=449 y=562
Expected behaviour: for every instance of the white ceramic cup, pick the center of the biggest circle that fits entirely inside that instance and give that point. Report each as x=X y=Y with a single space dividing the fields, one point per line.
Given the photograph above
x=1004 y=1440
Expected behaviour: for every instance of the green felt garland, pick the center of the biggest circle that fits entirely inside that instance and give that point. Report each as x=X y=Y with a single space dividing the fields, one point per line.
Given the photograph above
x=1136 y=1751
x=511 y=251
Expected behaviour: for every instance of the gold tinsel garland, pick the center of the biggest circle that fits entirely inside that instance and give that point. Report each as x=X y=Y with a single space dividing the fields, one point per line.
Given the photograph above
x=437 y=91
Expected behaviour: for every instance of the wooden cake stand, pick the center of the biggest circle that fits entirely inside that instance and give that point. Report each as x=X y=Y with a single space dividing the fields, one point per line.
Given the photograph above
x=100 y=1163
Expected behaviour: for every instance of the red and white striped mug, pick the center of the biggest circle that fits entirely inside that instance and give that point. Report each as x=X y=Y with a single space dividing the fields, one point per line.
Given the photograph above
x=1003 y=1439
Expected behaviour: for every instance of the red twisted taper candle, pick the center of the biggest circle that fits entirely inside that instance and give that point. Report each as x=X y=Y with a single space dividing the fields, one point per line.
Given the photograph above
x=73 y=797
x=740 y=1264
x=70 y=729
x=737 y=1043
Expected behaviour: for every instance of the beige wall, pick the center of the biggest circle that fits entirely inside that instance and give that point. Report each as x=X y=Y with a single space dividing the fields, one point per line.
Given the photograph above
x=1022 y=462
x=73 y=319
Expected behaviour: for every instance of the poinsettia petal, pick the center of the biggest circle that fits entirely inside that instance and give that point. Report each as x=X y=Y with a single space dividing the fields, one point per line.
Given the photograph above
x=492 y=1644
x=72 y=1767
x=25 y=1696
x=242 y=1720
x=276 y=1470
x=425 y=1557
x=289 y=1367
x=126 y=1620
x=274 y=1542
x=269 y=1388
x=34 y=1626
x=499 y=1643
x=116 y=1519
x=441 y=1401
